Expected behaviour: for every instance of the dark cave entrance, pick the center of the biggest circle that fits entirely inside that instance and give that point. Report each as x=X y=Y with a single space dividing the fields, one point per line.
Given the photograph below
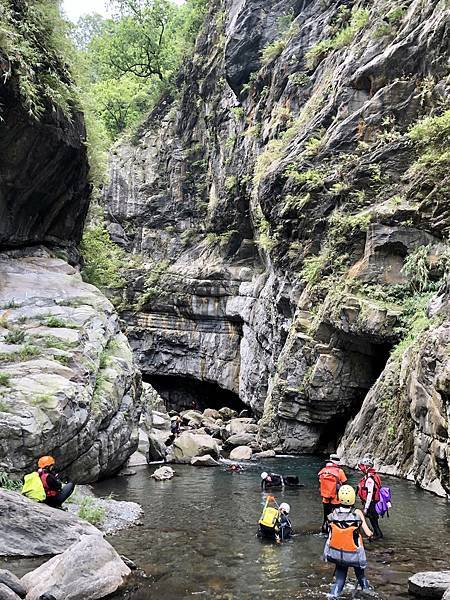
x=370 y=357
x=183 y=393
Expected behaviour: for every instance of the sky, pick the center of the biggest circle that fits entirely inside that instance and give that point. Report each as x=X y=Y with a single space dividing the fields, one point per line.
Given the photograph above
x=75 y=8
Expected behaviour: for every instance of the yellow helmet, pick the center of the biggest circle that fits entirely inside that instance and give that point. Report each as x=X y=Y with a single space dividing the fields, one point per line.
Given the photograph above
x=347 y=495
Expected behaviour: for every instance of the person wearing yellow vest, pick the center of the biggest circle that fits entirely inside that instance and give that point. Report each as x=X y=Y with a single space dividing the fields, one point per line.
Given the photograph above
x=45 y=485
x=344 y=546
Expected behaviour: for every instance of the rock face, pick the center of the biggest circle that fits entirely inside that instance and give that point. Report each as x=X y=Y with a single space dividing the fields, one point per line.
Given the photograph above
x=29 y=528
x=9 y=580
x=44 y=189
x=276 y=203
x=87 y=570
x=69 y=385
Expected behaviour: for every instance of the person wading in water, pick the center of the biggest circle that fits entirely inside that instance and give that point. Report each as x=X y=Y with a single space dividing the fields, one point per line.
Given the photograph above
x=344 y=546
x=331 y=478
x=369 y=491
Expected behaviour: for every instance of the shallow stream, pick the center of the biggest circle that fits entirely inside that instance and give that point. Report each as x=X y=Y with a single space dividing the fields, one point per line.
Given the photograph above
x=198 y=536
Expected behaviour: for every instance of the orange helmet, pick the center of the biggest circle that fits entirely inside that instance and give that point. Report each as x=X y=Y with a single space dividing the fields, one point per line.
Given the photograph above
x=46 y=461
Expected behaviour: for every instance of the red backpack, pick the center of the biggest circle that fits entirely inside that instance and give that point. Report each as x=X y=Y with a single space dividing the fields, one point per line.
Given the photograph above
x=329 y=482
x=363 y=491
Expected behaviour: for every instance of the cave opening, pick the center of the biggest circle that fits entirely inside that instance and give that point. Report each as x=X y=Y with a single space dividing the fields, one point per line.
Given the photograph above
x=369 y=357
x=183 y=393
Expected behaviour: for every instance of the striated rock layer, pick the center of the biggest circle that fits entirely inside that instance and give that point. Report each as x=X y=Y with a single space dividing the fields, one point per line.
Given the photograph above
x=68 y=384
x=275 y=203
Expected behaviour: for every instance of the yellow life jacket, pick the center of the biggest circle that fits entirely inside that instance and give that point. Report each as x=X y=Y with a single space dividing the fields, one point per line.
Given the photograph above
x=33 y=487
x=270 y=517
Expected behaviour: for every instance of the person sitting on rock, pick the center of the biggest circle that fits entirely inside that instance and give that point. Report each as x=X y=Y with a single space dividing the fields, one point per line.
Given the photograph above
x=269 y=480
x=56 y=490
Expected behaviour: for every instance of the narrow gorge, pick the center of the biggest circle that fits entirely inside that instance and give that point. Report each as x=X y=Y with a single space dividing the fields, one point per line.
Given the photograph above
x=283 y=205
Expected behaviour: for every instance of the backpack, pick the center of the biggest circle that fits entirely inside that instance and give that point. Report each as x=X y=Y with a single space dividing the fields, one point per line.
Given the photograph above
x=33 y=487
x=329 y=483
x=384 y=503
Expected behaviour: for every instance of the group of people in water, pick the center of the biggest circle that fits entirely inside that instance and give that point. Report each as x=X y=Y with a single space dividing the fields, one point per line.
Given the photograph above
x=343 y=523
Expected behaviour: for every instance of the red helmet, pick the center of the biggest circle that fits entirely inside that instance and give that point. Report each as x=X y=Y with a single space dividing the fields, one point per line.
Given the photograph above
x=46 y=461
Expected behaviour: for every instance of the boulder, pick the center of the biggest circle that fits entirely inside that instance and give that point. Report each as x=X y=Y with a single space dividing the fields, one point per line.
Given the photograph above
x=188 y=445
x=240 y=426
x=241 y=453
x=137 y=460
x=227 y=413
x=87 y=570
x=192 y=417
x=6 y=593
x=265 y=454
x=163 y=473
x=211 y=413
x=160 y=420
x=28 y=528
x=204 y=461
x=9 y=580
x=240 y=439
x=446 y=596
x=157 y=448
x=429 y=584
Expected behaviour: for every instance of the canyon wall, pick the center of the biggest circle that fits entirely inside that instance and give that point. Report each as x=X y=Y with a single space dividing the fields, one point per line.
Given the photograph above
x=290 y=209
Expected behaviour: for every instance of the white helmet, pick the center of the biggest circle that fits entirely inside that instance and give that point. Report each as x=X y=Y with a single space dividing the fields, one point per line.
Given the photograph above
x=285 y=506
x=264 y=475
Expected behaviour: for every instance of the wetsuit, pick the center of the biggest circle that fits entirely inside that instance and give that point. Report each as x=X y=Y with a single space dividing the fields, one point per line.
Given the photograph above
x=285 y=527
x=55 y=490
x=272 y=480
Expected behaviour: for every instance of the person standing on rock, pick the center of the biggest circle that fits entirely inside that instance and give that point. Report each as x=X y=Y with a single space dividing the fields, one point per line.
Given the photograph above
x=331 y=478
x=369 y=491
x=344 y=546
x=56 y=491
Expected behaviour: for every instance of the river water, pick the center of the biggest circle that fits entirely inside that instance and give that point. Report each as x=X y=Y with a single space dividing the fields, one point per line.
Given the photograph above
x=198 y=539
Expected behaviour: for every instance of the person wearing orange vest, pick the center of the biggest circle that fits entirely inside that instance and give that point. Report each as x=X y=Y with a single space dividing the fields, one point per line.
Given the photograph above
x=331 y=478
x=344 y=546
x=55 y=490
x=369 y=492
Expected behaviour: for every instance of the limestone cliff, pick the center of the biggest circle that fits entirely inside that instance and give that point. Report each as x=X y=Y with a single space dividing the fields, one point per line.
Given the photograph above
x=68 y=384
x=285 y=209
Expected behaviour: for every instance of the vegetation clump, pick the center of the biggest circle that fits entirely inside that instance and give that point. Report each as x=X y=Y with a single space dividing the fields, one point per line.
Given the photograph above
x=91 y=512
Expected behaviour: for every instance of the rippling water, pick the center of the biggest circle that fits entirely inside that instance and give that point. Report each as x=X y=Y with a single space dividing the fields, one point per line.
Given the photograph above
x=198 y=536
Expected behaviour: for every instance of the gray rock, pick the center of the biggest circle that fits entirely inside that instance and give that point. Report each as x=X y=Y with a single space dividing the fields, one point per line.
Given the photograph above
x=204 y=461
x=87 y=570
x=137 y=460
x=211 y=413
x=241 y=453
x=265 y=454
x=157 y=445
x=188 y=445
x=10 y=580
x=240 y=425
x=429 y=584
x=240 y=439
x=227 y=413
x=73 y=391
x=163 y=473
x=29 y=528
x=6 y=593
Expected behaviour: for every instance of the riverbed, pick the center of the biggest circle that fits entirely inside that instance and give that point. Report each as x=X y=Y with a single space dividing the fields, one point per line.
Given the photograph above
x=198 y=538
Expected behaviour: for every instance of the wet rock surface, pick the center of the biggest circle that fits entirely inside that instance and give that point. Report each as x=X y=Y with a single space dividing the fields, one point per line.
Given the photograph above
x=9 y=580
x=70 y=385
x=430 y=584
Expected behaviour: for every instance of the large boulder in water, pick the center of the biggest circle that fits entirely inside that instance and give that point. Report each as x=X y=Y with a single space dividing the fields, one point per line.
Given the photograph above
x=429 y=584
x=163 y=473
x=157 y=445
x=88 y=570
x=241 y=453
x=204 y=461
x=188 y=445
x=28 y=528
x=241 y=439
